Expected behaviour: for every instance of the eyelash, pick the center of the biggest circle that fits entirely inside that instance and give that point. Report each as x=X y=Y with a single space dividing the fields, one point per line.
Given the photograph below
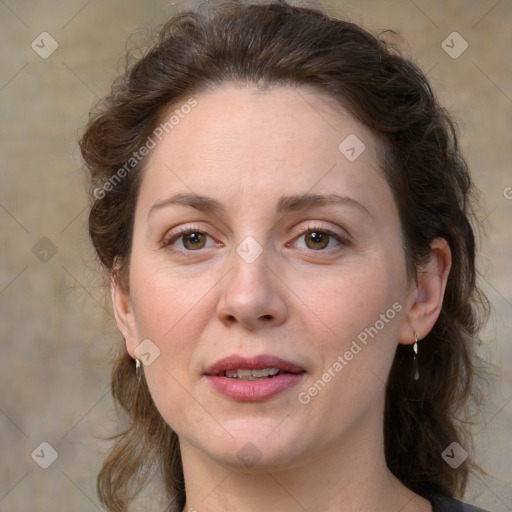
x=343 y=241
x=169 y=241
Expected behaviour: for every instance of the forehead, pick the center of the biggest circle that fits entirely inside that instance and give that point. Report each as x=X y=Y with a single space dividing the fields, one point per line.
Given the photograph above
x=245 y=142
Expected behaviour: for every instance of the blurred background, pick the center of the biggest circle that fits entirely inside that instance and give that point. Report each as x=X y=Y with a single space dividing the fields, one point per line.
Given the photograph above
x=57 y=332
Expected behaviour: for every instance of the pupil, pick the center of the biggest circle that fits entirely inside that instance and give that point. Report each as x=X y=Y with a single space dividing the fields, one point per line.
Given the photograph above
x=194 y=239
x=318 y=239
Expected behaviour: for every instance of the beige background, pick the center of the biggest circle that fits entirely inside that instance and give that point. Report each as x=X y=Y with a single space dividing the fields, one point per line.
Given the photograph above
x=56 y=334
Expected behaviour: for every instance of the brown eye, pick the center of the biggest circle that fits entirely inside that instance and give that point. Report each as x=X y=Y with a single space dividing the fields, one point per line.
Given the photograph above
x=189 y=240
x=317 y=240
x=194 y=240
x=320 y=240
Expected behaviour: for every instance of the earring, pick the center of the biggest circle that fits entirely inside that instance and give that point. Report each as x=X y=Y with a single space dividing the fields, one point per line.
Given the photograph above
x=137 y=367
x=415 y=359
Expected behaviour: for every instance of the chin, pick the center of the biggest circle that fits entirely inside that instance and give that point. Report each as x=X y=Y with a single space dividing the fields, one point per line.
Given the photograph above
x=255 y=449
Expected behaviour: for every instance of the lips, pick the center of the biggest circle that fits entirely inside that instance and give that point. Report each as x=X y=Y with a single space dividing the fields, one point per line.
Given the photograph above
x=253 y=379
x=253 y=363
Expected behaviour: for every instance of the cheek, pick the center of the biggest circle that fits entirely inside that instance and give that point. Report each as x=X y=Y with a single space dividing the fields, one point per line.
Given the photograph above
x=169 y=301
x=361 y=313
x=171 y=310
x=347 y=301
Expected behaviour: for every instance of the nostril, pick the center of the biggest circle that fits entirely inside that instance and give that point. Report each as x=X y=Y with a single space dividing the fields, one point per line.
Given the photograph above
x=266 y=317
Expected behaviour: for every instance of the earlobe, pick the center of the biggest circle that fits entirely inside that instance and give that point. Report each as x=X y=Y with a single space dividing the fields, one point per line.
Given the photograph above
x=123 y=313
x=428 y=293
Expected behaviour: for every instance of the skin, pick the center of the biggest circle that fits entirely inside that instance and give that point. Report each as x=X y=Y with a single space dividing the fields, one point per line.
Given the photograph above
x=301 y=302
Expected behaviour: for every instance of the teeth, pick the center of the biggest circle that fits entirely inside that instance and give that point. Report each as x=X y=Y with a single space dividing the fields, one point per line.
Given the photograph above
x=247 y=374
x=264 y=372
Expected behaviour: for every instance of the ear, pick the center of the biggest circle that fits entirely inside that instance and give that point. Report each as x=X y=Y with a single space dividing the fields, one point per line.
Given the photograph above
x=124 y=315
x=426 y=298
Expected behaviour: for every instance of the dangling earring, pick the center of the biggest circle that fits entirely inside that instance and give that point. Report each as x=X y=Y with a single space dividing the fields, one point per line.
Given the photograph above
x=415 y=360
x=137 y=367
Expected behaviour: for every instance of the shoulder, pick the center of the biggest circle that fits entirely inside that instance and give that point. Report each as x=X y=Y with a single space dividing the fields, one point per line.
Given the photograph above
x=447 y=504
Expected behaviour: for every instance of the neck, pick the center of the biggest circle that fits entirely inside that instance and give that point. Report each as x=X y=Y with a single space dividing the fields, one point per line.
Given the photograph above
x=341 y=477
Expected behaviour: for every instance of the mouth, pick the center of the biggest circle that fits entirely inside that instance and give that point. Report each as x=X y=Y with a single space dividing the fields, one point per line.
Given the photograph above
x=253 y=379
x=251 y=368
x=252 y=374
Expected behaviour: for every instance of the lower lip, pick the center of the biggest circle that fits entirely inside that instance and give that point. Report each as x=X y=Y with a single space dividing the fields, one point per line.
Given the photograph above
x=255 y=390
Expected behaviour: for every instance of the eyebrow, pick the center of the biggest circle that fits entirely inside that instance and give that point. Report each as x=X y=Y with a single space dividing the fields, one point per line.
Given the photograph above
x=285 y=204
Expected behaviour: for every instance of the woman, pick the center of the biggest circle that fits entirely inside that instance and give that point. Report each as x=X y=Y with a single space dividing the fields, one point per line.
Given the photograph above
x=281 y=206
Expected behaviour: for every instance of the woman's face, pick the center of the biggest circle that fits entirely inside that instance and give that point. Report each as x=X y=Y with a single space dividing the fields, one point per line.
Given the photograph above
x=266 y=238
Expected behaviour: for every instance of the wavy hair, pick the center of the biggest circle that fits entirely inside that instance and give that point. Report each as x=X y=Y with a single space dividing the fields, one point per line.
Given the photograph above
x=275 y=43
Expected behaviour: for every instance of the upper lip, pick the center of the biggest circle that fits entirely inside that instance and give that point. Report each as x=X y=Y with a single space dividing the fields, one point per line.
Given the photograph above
x=252 y=363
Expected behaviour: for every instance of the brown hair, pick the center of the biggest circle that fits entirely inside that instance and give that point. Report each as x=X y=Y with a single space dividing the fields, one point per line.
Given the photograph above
x=279 y=44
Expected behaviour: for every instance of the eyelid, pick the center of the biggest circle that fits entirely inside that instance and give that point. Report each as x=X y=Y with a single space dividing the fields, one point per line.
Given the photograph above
x=170 y=238
x=322 y=225
x=192 y=225
x=343 y=240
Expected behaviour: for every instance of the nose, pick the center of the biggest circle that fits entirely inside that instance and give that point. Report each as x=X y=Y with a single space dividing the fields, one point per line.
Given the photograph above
x=252 y=296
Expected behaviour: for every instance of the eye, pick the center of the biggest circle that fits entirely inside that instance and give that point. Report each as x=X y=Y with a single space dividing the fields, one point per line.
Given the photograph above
x=320 y=239
x=188 y=240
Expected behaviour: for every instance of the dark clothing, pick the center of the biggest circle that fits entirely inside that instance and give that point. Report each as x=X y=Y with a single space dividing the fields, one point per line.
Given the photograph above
x=445 y=504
